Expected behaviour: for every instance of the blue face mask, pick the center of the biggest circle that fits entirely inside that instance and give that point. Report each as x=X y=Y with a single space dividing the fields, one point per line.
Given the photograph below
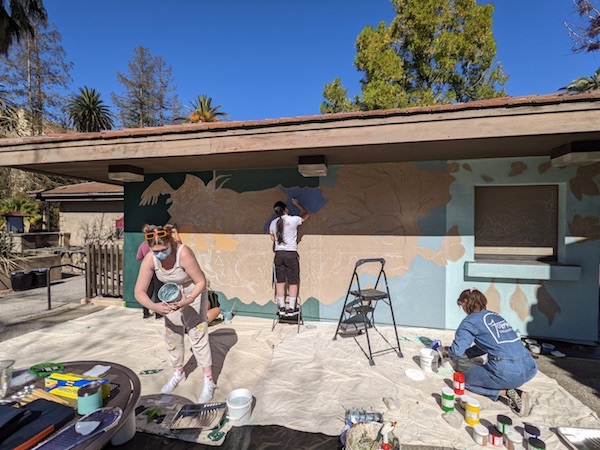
x=162 y=255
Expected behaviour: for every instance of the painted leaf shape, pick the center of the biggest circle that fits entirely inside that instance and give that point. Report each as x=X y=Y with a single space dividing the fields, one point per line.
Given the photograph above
x=547 y=305
x=519 y=303
x=493 y=298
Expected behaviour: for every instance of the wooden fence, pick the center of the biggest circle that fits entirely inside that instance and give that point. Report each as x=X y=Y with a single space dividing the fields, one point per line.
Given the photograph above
x=104 y=270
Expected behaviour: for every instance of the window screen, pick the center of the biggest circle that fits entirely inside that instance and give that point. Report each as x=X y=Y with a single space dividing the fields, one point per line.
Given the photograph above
x=516 y=222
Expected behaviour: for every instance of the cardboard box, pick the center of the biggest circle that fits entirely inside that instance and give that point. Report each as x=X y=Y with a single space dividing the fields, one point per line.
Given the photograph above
x=67 y=384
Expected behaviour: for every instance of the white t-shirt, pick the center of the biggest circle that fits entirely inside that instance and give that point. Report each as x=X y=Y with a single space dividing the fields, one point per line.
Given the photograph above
x=290 y=232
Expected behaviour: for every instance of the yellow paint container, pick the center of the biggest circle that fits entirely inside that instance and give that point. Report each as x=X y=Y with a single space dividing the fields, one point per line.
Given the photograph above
x=472 y=409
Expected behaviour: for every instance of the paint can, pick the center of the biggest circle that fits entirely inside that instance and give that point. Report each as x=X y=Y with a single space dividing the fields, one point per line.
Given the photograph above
x=513 y=440
x=504 y=424
x=531 y=431
x=89 y=398
x=458 y=382
x=535 y=444
x=496 y=437
x=426 y=359
x=472 y=410
x=481 y=434
x=447 y=399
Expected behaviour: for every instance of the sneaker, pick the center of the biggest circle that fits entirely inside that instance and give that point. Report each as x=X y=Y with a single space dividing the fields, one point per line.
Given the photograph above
x=281 y=311
x=146 y=313
x=518 y=401
x=208 y=391
x=292 y=312
x=173 y=382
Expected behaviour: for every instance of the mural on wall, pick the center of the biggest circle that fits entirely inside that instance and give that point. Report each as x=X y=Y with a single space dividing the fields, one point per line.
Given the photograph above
x=378 y=210
x=558 y=308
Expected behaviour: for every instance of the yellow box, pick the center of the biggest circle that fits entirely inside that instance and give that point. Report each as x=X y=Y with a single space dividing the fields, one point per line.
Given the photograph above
x=67 y=384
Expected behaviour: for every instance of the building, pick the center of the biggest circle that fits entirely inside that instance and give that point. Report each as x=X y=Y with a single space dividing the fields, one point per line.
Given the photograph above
x=501 y=195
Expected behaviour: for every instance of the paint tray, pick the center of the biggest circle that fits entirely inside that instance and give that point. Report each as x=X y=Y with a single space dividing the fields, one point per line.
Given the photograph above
x=198 y=416
x=580 y=438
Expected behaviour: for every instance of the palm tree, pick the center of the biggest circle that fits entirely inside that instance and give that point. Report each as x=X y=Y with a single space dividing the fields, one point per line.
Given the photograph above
x=584 y=84
x=87 y=112
x=17 y=18
x=203 y=111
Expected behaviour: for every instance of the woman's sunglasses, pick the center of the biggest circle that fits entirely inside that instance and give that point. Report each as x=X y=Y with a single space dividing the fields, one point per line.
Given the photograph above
x=156 y=233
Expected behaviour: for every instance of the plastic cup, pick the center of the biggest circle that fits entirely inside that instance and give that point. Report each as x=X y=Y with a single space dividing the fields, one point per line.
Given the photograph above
x=6 y=370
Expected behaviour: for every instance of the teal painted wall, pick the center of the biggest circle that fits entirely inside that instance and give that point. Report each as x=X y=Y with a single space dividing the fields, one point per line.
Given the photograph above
x=418 y=216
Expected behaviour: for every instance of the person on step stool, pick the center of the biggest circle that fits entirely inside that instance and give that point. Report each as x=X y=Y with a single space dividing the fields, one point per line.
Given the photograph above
x=284 y=234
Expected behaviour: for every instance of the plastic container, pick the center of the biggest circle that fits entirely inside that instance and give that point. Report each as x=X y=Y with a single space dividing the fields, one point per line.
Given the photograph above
x=458 y=383
x=547 y=348
x=239 y=407
x=447 y=399
x=496 y=438
x=426 y=359
x=504 y=424
x=472 y=410
x=513 y=440
x=481 y=434
x=169 y=292
x=531 y=431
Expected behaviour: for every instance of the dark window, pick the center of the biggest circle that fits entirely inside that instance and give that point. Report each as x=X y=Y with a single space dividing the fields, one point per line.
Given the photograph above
x=516 y=223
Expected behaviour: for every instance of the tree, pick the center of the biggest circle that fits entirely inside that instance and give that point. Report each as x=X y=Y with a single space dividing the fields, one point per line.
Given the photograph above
x=148 y=99
x=586 y=38
x=432 y=52
x=584 y=84
x=336 y=98
x=9 y=118
x=35 y=73
x=87 y=112
x=17 y=21
x=203 y=111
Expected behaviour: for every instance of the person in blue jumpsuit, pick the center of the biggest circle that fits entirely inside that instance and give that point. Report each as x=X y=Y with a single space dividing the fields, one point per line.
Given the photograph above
x=509 y=364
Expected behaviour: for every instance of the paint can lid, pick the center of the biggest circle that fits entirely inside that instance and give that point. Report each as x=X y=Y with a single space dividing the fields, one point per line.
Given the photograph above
x=89 y=389
x=535 y=443
x=504 y=419
x=532 y=429
x=473 y=402
x=448 y=392
x=514 y=436
x=494 y=432
x=481 y=430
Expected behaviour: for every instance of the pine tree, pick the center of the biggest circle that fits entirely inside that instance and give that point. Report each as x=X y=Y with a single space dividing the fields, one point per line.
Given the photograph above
x=34 y=73
x=148 y=99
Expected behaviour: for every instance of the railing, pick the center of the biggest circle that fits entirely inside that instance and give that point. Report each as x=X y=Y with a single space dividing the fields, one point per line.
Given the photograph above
x=104 y=270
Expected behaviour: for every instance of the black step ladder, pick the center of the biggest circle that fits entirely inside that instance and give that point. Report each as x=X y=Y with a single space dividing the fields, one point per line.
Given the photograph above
x=294 y=317
x=358 y=312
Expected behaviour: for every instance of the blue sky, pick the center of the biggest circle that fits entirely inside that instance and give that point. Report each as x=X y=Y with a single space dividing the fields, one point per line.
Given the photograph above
x=264 y=59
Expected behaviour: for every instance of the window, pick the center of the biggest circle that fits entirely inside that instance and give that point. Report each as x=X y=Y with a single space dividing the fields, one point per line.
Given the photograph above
x=516 y=223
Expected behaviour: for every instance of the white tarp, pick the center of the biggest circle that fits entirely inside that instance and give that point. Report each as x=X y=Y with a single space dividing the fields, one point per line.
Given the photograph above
x=304 y=381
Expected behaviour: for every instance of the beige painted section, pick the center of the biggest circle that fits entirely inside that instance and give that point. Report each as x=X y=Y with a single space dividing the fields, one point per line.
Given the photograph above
x=383 y=200
x=80 y=224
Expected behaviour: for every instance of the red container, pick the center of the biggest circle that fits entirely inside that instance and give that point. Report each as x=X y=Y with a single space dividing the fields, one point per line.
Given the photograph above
x=459 y=383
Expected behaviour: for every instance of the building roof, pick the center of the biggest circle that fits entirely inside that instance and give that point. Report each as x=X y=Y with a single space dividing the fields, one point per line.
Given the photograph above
x=500 y=127
x=82 y=191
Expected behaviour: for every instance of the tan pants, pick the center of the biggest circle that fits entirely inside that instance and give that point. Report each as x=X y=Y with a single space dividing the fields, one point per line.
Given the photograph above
x=193 y=319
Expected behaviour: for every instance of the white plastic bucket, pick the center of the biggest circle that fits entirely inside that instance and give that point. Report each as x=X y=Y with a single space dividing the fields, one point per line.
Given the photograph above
x=239 y=407
x=426 y=356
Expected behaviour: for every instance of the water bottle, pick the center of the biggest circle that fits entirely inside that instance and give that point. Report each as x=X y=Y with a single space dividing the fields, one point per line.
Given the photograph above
x=356 y=415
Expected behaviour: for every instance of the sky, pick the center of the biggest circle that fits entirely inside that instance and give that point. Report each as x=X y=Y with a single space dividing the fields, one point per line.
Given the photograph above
x=261 y=59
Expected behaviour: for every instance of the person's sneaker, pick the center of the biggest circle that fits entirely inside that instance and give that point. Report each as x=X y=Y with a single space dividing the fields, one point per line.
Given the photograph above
x=281 y=311
x=208 y=391
x=292 y=312
x=173 y=382
x=518 y=401
x=158 y=316
x=146 y=313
